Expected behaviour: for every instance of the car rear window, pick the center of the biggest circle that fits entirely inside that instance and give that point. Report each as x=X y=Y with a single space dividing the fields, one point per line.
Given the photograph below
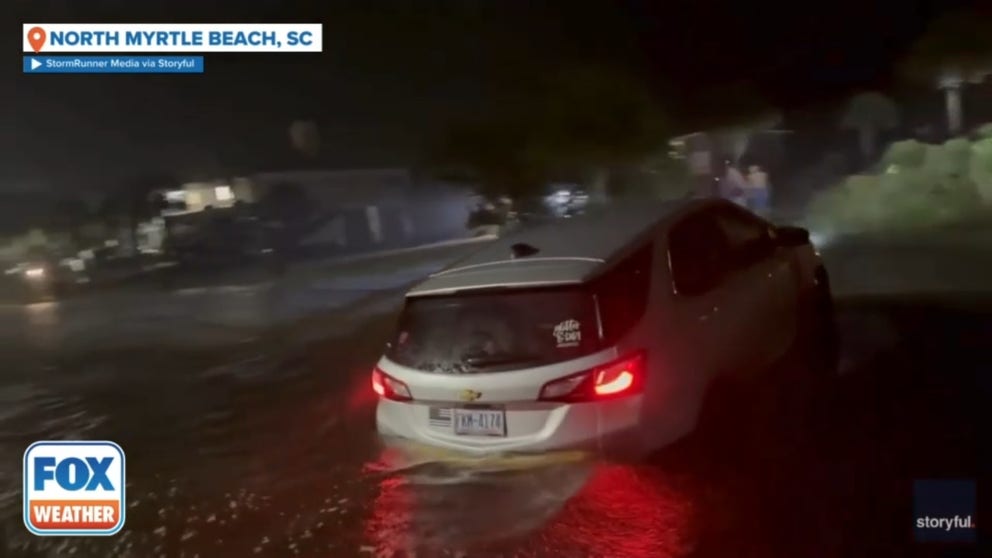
x=490 y=332
x=512 y=329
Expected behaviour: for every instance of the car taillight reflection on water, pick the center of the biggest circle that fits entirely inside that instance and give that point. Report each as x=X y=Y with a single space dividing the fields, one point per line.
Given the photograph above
x=617 y=379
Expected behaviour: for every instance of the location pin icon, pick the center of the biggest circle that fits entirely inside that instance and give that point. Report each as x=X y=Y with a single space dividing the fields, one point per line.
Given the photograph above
x=36 y=38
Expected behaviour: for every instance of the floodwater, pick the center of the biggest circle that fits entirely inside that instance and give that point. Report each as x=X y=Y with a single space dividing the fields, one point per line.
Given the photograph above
x=264 y=446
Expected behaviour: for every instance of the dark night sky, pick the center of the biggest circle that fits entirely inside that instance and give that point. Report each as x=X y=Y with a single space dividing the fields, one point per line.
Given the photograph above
x=393 y=72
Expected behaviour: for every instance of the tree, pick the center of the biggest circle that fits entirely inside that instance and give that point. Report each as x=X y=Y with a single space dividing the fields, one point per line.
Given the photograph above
x=870 y=113
x=69 y=216
x=660 y=176
x=736 y=138
x=286 y=201
x=956 y=49
x=112 y=211
x=581 y=121
x=137 y=199
x=288 y=205
x=595 y=118
x=732 y=105
x=489 y=152
x=305 y=137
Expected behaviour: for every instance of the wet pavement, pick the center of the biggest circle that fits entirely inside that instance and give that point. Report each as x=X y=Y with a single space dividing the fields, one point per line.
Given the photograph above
x=266 y=448
x=208 y=310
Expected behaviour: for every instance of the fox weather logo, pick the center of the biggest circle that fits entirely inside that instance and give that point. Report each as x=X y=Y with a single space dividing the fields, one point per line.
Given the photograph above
x=74 y=488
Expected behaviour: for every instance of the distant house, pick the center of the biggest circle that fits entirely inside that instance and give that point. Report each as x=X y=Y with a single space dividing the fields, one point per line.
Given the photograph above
x=369 y=208
x=194 y=197
x=352 y=210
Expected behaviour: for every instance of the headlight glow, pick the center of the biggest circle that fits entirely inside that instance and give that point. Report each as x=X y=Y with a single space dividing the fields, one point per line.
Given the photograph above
x=820 y=240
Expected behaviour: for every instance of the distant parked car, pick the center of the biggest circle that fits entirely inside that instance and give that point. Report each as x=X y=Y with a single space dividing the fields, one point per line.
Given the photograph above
x=225 y=241
x=44 y=279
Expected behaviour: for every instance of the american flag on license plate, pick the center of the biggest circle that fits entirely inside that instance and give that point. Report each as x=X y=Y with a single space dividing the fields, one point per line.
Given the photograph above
x=439 y=416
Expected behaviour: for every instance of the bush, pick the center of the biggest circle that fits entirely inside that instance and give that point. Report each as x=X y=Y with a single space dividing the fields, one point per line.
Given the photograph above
x=848 y=206
x=905 y=154
x=950 y=159
x=923 y=185
x=980 y=171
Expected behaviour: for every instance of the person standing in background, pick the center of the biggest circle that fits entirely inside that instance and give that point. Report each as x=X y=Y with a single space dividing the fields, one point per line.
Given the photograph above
x=734 y=186
x=758 y=195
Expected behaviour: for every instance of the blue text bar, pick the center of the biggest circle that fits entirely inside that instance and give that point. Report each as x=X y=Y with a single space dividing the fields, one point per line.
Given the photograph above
x=113 y=64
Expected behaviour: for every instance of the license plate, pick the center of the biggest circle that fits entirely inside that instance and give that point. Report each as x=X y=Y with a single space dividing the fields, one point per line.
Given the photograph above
x=480 y=422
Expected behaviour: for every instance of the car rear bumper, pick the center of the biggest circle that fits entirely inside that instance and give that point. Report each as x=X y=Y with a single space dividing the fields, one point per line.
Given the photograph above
x=602 y=427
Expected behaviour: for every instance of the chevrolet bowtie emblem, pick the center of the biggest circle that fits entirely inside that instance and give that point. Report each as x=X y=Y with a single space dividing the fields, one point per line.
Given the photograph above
x=469 y=395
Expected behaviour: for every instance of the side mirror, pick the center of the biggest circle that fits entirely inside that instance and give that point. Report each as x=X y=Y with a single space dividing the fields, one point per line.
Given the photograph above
x=792 y=236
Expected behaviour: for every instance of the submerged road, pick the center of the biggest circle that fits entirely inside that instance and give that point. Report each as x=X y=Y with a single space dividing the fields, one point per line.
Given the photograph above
x=264 y=446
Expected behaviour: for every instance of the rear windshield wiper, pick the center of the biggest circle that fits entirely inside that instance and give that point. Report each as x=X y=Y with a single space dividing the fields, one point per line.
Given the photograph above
x=500 y=360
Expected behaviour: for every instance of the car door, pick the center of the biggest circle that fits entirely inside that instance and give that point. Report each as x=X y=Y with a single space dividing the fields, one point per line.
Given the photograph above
x=760 y=278
x=696 y=257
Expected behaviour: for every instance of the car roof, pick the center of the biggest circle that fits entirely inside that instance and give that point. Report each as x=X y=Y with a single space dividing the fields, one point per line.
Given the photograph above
x=567 y=251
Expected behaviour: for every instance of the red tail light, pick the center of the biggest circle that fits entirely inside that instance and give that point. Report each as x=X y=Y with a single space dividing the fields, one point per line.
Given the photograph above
x=388 y=387
x=616 y=379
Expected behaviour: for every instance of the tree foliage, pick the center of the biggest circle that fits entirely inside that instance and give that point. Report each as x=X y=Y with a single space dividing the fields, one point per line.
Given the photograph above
x=68 y=216
x=870 y=109
x=575 y=121
x=957 y=45
x=304 y=136
x=287 y=202
x=596 y=115
x=659 y=177
x=737 y=105
x=135 y=200
x=870 y=113
x=490 y=152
